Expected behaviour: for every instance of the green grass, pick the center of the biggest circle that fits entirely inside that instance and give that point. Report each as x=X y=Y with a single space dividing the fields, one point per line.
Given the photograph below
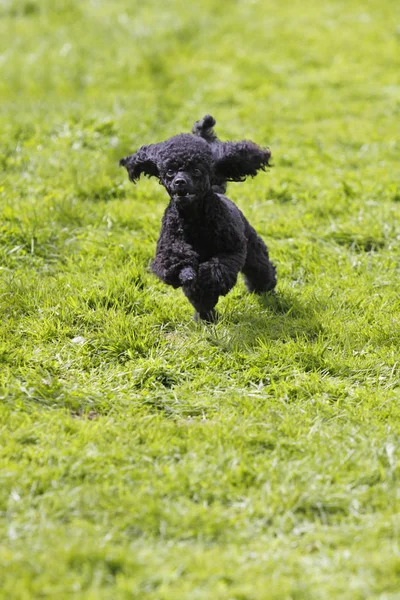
x=145 y=456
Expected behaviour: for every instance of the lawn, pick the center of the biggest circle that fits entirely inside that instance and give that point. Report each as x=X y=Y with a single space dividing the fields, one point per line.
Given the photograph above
x=144 y=456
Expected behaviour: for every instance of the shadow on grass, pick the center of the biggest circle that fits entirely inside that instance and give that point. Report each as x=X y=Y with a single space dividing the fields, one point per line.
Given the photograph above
x=274 y=317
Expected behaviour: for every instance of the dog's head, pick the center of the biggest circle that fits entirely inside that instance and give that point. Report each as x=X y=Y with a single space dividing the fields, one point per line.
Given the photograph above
x=183 y=165
x=188 y=165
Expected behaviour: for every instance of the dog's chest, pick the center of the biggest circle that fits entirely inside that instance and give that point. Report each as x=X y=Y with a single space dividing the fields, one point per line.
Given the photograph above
x=215 y=229
x=202 y=238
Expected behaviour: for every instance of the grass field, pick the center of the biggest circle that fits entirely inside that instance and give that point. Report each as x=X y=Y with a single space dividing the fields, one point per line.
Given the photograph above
x=145 y=456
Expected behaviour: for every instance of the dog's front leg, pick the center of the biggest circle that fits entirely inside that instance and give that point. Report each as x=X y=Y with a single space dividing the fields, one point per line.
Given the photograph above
x=220 y=272
x=176 y=262
x=176 y=265
x=215 y=278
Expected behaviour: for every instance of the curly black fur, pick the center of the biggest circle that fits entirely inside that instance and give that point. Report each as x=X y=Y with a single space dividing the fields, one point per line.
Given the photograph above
x=205 y=129
x=205 y=240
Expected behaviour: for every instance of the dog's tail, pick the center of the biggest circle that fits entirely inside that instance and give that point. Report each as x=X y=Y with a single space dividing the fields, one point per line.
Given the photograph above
x=205 y=129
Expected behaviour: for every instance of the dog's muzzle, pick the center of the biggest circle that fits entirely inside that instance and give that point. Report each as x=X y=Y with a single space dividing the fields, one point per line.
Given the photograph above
x=181 y=186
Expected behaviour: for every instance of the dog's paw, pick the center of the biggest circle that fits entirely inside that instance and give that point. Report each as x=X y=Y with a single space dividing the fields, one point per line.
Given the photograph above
x=207 y=316
x=187 y=275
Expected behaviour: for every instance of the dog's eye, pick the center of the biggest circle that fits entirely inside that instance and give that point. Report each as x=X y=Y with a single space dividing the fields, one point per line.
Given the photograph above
x=197 y=173
x=170 y=173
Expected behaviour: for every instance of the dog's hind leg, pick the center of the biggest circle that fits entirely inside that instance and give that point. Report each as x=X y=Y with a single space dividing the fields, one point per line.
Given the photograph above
x=259 y=272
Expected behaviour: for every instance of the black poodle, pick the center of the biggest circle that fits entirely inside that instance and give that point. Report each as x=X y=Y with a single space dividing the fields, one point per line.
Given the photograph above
x=205 y=240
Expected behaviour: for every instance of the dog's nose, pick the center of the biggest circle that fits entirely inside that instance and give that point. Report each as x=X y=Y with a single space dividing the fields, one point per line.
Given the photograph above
x=179 y=181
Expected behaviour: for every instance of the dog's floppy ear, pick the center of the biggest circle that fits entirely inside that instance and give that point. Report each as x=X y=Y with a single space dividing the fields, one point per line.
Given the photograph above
x=142 y=162
x=234 y=161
